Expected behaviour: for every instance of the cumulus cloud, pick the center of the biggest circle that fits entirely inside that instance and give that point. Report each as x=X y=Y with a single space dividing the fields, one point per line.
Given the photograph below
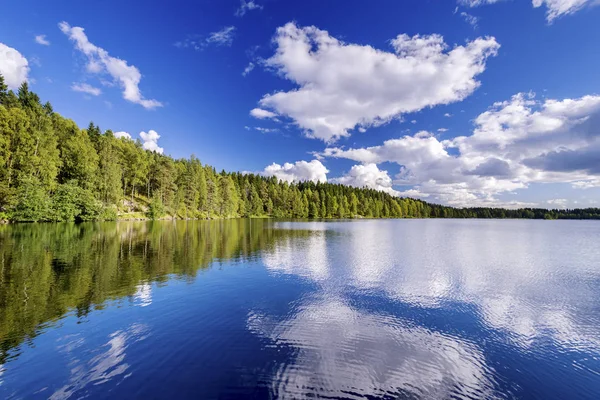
x=369 y=176
x=120 y=135
x=493 y=167
x=100 y=62
x=246 y=6
x=585 y=160
x=150 y=141
x=514 y=143
x=299 y=171
x=341 y=85
x=41 y=39
x=262 y=114
x=86 y=88
x=554 y=8
x=13 y=66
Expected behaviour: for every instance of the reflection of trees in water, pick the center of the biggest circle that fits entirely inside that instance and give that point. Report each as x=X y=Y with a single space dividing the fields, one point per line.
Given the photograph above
x=47 y=270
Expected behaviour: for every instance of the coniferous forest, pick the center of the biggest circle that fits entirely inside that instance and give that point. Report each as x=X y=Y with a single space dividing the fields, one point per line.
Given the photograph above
x=51 y=170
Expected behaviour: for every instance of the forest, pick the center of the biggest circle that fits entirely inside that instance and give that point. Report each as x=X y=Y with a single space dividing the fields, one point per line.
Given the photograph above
x=51 y=171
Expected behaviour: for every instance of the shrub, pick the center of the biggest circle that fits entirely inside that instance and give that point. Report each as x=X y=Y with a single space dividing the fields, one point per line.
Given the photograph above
x=156 y=209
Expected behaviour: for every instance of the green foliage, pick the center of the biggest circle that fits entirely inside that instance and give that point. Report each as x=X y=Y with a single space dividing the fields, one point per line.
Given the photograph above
x=156 y=208
x=51 y=170
x=31 y=202
x=73 y=203
x=108 y=213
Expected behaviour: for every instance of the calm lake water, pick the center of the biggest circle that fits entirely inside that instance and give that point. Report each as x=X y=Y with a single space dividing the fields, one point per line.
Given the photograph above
x=410 y=309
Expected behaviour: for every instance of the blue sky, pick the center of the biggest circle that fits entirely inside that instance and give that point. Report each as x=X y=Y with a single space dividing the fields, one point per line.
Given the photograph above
x=475 y=102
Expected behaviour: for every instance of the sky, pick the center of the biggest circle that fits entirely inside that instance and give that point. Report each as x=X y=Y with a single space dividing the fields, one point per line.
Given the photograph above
x=459 y=102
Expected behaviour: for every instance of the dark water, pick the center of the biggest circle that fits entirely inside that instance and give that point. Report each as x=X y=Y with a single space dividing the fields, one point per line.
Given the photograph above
x=410 y=309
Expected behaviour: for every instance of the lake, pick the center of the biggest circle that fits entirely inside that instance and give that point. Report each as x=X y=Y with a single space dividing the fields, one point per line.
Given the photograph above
x=411 y=309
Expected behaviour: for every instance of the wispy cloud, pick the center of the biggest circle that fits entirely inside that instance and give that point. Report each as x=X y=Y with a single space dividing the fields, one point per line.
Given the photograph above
x=86 y=88
x=470 y=19
x=223 y=37
x=262 y=114
x=246 y=6
x=41 y=39
x=554 y=8
x=100 y=62
x=248 y=69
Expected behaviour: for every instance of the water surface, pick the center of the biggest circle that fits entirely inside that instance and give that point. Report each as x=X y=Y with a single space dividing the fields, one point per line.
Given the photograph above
x=267 y=309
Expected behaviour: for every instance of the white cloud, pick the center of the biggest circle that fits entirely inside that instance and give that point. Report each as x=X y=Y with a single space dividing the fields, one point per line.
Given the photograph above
x=299 y=171
x=150 y=141
x=476 y=3
x=262 y=114
x=265 y=130
x=586 y=184
x=560 y=203
x=41 y=39
x=559 y=8
x=514 y=143
x=86 y=88
x=248 y=69
x=470 y=19
x=342 y=86
x=555 y=8
x=367 y=175
x=99 y=62
x=120 y=135
x=246 y=6
x=224 y=37
x=442 y=130
x=13 y=66
x=448 y=115
x=35 y=61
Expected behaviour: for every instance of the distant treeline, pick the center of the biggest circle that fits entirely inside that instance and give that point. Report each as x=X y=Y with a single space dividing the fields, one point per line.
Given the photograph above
x=51 y=170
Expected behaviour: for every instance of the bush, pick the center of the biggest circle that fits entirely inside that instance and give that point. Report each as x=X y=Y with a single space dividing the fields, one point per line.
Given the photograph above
x=72 y=203
x=156 y=208
x=89 y=207
x=32 y=203
x=64 y=203
x=108 y=213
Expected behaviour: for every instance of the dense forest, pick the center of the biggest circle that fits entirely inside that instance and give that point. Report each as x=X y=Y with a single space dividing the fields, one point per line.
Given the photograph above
x=51 y=170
